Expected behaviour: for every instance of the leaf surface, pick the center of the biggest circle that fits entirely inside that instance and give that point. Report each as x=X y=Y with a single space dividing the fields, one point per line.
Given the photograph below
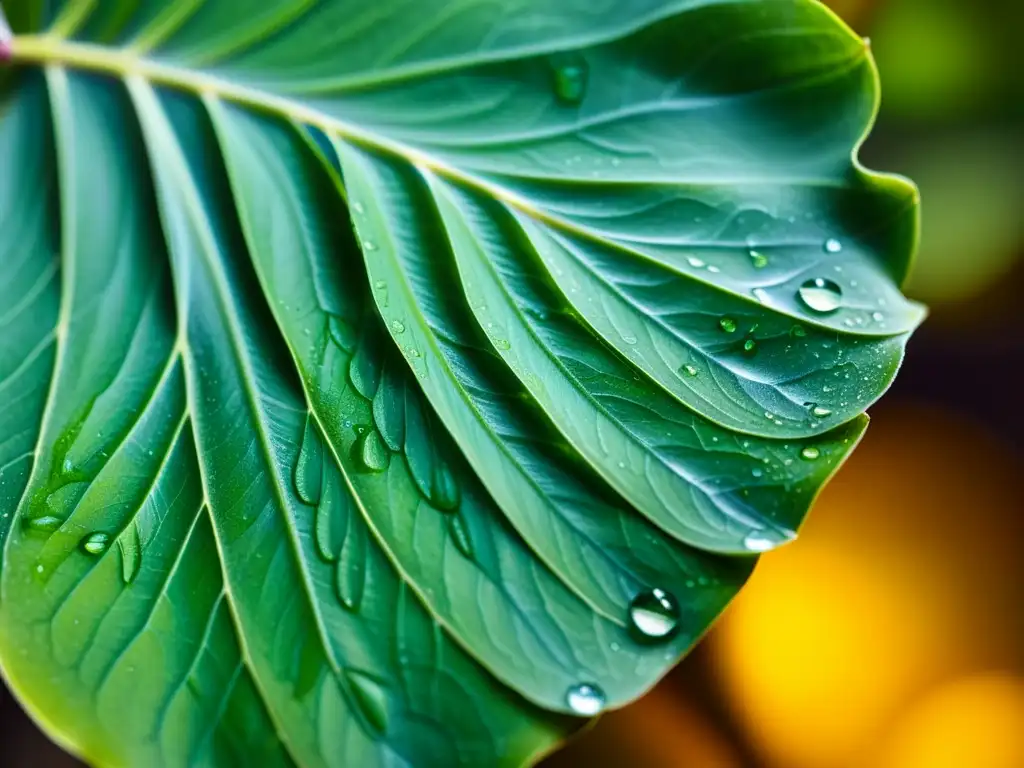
x=384 y=383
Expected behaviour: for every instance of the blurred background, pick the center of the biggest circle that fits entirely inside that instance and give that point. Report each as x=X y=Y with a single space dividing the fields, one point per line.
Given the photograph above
x=891 y=635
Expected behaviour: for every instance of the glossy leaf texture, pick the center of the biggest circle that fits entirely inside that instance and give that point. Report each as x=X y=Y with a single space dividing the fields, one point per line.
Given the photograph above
x=399 y=383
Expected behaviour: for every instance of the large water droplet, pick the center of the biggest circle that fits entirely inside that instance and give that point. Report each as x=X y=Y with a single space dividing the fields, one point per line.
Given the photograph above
x=95 y=543
x=819 y=412
x=130 y=547
x=762 y=541
x=43 y=523
x=372 y=698
x=308 y=474
x=833 y=246
x=697 y=263
x=654 y=613
x=570 y=78
x=727 y=324
x=585 y=699
x=342 y=333
x=821 y=295
x=810 y=453
x=373 y=453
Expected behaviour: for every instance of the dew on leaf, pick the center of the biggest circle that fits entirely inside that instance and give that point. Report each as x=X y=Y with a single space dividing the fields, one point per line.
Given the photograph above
x=95 y=543
x=727 y=324
x=585 y=699
x=371 y=697
x=821 y=295
x=758 y=259
x=654 y=613
x=832 y=245
x=810 y=453
x=570 y=78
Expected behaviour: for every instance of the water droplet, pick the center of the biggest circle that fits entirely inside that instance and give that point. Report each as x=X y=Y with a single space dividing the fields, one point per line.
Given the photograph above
x=130 y=547
x=502 y=344
x=570 y=78
x=713 y=269
x=342 y=333
x=819 y=412
x=43 y=523
x=750 y=346
x=696 y=263
x=372 y=698
x=629 y=339
x=758 y=259
x=373 y=453
x=380 y=285
x=369 y=245
x=307 y=476
x=95 y=543
x=689 y=370
x=761 y=295
x=459 y=533
x=585 y=699
x=757 y=472
x=762 y=541
x=727 y=324
x=821 y=295
x=833 y=246
x=810 y=453
x=358 y=208
x=654 y=613
x=878 y=317
x=397 y=326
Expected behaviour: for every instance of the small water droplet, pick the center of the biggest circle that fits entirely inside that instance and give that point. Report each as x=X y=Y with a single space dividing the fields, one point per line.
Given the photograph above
x=750 y=346
x=369 y=245
x=819 y=412
x=380 y=285
x=397 y=326
x=460 y=535
x=654 y=613
x=727 y=324
x=878 y=317
x=696 y=263
x=713 y=269
x=502 y=344
x=358 y=208
x=95 y=543
x=832 y=245
x=757 y=472
x=758 y=259
x=570 y=78
x=810 y=453
x=66 y=466
x=761 y=295
x=821 y=295
x=585 y=699
x=689 y=370
x=629 y=339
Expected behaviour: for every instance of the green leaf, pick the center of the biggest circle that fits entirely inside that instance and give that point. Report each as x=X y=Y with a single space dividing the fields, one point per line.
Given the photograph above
x=387 y=384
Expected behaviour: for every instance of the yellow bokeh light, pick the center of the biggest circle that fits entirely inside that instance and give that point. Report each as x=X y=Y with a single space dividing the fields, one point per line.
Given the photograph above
x=906 y=575
x=974 y=722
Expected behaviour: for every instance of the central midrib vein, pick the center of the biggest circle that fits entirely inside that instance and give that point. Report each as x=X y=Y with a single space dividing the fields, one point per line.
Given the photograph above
x=49 y=50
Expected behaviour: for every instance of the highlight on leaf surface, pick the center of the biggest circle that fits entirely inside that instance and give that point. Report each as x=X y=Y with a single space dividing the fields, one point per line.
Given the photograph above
x=399 y=383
